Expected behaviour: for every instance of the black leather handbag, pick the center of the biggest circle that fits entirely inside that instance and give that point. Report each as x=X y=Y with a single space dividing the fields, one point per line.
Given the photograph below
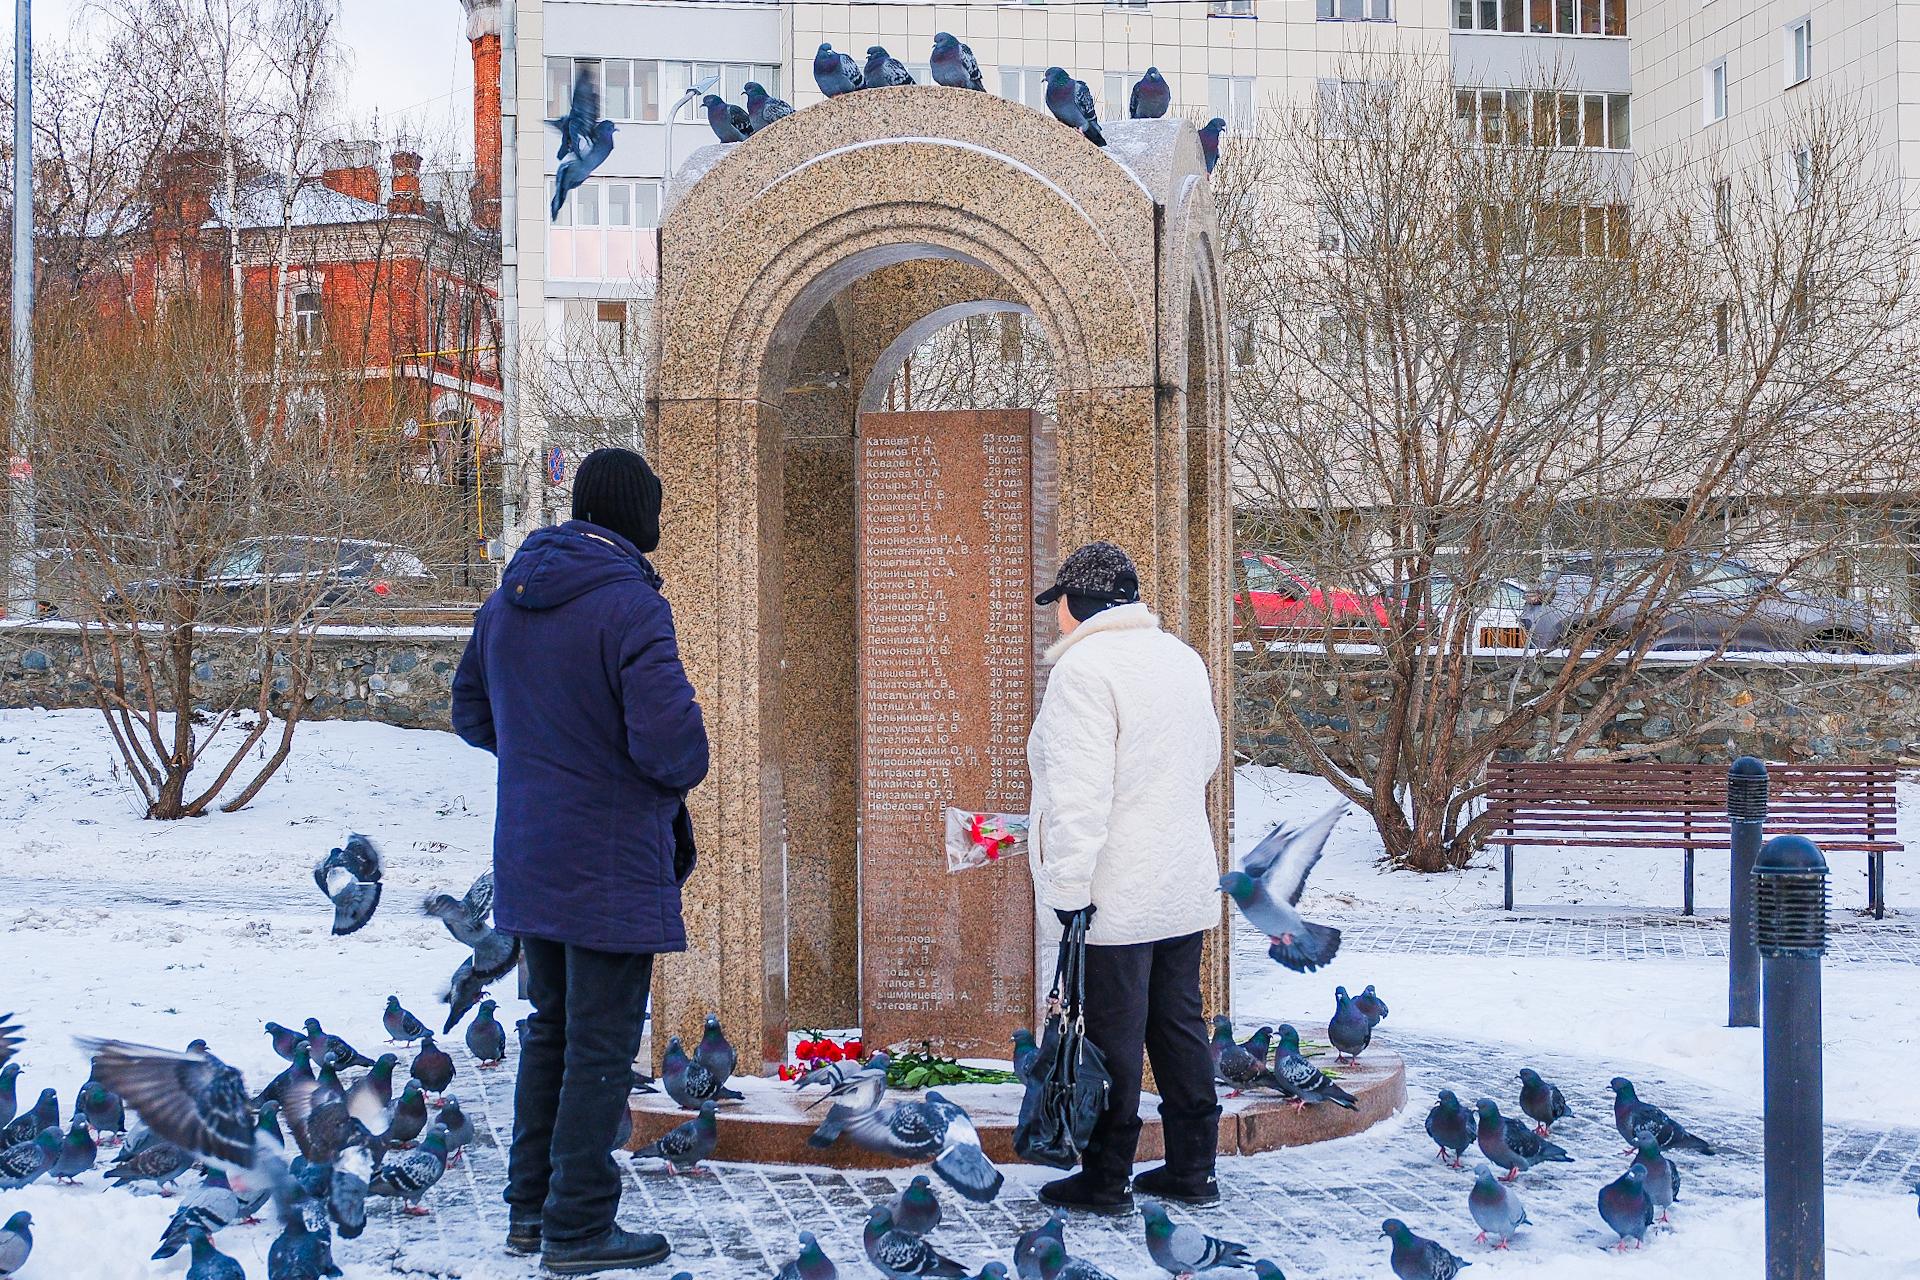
x=1069 y=1086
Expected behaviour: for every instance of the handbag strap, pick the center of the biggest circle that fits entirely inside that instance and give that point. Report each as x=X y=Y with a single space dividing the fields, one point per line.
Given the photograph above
x=1076 y=942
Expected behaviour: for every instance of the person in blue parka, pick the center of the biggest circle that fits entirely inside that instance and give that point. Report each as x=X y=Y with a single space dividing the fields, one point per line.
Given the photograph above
x=573 y=680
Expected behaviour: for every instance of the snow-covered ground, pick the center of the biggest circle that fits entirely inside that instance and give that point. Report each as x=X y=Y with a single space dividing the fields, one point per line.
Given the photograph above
x=163 y=932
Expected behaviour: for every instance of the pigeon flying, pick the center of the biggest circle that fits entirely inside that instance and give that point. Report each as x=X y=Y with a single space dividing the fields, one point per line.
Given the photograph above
x=1184 y=1250
x=932 y=1127
x=686 y=1145
x=350 y=876
x=1451 y=1126
x=1268 y=885
x=9 y=1100
x=1627 y=1208
x=193 y=1100
x=1496 y=1209
x=1511 y=1144
x=1349 y=1032
x=1541 y=1101
x=1418 y=1258
x=1633 y=1118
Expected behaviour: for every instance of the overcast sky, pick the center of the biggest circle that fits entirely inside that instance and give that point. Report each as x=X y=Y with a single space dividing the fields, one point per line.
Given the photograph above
x=408 y=64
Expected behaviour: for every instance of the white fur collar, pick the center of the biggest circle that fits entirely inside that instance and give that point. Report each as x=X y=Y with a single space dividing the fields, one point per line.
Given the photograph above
x=1122 y=617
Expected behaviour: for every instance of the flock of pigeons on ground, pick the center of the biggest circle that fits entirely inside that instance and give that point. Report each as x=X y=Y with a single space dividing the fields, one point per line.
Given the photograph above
x=586 y=140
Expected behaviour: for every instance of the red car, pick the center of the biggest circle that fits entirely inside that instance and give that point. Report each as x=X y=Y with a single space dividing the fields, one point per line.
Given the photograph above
x=1283 y=601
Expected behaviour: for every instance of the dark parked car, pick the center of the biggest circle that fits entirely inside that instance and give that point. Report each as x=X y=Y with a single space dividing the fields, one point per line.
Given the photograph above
x=307 y=574
x=1714 y=599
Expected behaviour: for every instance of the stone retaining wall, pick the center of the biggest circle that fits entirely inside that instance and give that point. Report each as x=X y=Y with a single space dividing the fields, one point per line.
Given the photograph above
x=1836 y=711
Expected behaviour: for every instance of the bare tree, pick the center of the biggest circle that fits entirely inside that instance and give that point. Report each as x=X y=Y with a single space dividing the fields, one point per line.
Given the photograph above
x=1476 y=363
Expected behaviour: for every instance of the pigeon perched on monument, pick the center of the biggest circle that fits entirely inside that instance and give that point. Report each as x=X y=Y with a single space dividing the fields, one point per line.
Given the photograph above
x=1071 y=103
x=1151 y=96
x=1348 y=1031
x=835 y=73
x=884 y=70
x=1210 y=141
x=1300 y=1079
x=728 y=120
x=762 y=107
x=952 y=63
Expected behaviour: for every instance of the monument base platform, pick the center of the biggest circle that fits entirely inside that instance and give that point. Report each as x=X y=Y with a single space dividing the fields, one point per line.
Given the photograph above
x=771 y=1125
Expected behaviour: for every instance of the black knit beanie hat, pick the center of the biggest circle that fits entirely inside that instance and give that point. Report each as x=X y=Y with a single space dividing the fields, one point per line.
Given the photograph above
x=1097 y=577
x=617 y=490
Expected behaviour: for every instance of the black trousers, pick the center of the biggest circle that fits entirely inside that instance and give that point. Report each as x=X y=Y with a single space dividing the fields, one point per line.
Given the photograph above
x=1147 y=995
x=575 y=1068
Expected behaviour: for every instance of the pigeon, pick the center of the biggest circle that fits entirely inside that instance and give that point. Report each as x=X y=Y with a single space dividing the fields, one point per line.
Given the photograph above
x=412 y=1174
x=994 y=1271
x=347 y=1191
x=9 y=1037
x=1541 y=1100
x=24 y=1162
x=953 y=64
x=402 y=1027
x=1025 y=1053
x=576 y=169
x=329 y=1052
x=102 y=1108
x=432 y=1067
x=77 y=1154
x=1511 y=1144
x=1186 y=1251
x=208 y=1262
x=1626 y=1207
x=1266 y=1270
x=486 y=1038
x=713 y=1052
x=159 y=1162
x=1235 y=1063
x=835 y=73
x=464 y=916
x=372 y=1094
x=1348 y=1032
x=285 y=1040
x=254 y=1186
x=883 y=70
x=350 y=876
x=897 y=1253
x=1662 y=1178
x=1451 y=1126
x=1370 y=1004
x=1267 y=889
x=583 y=112
x=193 y=1100
x=931 y=1127
x=811 y=1264
x=42 y=1115
x=1150 y=97
x=1210 y=141
x=494 y=953
x=409 y=1117
x=1025 y=1249
x=459 y=1127
x=1071 y=103
x=851 y=1089
x=1633 y=1117
x=728 y=121
x=300 y=1252
x=762 y=107
x=16 y=1242
x=1418 y=1258
x=685 y=1145
x=300 y=1068
x=1300 y=1079
x=1496 y=1209
x=1054 y=1264
x=9 y=1100
x=207 y=1208
x=688 y=1081
x=322 y=1126
x=916 y=1208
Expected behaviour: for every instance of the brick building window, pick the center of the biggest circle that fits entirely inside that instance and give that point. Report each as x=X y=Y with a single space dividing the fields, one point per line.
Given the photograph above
x=308 y=331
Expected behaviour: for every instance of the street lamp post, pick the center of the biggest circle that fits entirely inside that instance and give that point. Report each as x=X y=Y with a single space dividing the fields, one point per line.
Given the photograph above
x=693 y=92
x=21 y=593
x=1790 y=914
x=1746 y=812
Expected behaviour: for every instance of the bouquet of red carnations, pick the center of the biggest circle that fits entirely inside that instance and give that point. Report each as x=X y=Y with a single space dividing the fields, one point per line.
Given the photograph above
x=981 y=839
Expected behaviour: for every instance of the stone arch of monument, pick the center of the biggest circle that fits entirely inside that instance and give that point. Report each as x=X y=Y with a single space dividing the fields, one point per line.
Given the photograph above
x=797 y=271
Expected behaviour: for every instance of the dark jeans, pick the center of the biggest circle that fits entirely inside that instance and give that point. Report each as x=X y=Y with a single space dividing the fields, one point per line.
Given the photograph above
x=588 y=1009
x=1147 y=995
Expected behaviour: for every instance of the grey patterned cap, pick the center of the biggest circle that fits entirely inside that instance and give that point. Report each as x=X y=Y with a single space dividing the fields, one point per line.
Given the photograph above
x=1099 y=571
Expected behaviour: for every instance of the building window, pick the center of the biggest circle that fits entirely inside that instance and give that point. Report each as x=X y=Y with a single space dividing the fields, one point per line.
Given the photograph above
x=1231 y=98
x=1583 y=231
x=1799 y=52
x=1713 y=93
x=1800 y=173
x=1230 y=8
x=635 y=89
x=610 y=327
x=1538 y=17
x=1126 y=4
x=1723 y=209
x=1601 y=121
x=308 y=333
x=1355 y=10
x=1025 y=84
x=1119 y=87
x=617 y=202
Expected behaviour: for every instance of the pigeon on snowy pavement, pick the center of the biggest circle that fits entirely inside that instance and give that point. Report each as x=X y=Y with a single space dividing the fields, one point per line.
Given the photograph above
x=1542 y=1101
x=1349 y=1032
x=899 y=1253
x=207 y=1208
x=1268 y=886
x=486 y=1038
x=459 y=1127
x=103 y=1109
x=1265 y=1270
x=684 y=1146
x=42 y=1115
x=159 y=1162
x=77 y=1154
x=1451 y=1126
x=1662 y=1178
x=208 y=1262
x=1418 y=1258
x=192 y=1100
x=811 y=1264
x=9 y=1099
x=322 y=1126
x=411 y=1174
x=953 y=64
x=1511 y=1144
x=1370 y=1004
x=835 y=73
x=300 y=1252
x=16 y=1242
x=409 y=1117
x=1496 y=1209
x=25 y=1162
x=347 y=1191
x=915 y=1208
x=328 y=1051
x=432 y=1067
x=1051 y=1257
x=1026 y=1249
x=1633 y=1118
x=402 y=1027
x=350 y=877
x=1626 y=1207
x=300 y=1068
x=1184 y=1250
x=285 y=1040
x=1300 y=1079
x=371 y=1097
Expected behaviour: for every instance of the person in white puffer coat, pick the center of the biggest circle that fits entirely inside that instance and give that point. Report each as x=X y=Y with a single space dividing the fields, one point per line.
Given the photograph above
x=1121 y=753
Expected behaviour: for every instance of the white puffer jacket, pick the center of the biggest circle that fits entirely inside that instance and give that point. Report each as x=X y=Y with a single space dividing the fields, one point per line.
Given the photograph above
x=1120 y=754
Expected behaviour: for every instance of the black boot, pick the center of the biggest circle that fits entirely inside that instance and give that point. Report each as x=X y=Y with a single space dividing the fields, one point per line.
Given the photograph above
x=1088 y=1192
x=1164 y=1183
x=616 y=1249
x=523 y=1231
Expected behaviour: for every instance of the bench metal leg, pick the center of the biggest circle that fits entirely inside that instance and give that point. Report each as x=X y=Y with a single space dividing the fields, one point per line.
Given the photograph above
x=1686 y=908
x=1507 y=901
x=1877 y=884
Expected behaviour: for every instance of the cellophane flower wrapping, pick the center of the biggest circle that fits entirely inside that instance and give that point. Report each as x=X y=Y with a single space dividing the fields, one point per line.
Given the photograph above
x=982 y=839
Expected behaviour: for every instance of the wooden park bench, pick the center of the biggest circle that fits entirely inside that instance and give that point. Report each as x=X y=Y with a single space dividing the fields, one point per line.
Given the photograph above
x=1603 y=804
